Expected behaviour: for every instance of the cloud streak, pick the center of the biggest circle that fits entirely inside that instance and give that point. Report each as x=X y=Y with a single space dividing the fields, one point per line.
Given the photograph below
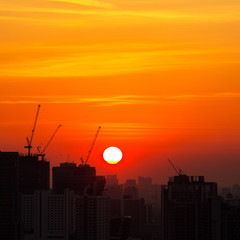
x=119 y=9
x=91 y=3
x=104 y=61
x=205 y=96
x=95 y=101
x=115 y=100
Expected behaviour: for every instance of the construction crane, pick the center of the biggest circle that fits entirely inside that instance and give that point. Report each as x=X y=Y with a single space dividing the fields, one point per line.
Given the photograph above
x=42 y=153
x=81 y=158
x=94 y=140
x=29 y=141
x=178 y=171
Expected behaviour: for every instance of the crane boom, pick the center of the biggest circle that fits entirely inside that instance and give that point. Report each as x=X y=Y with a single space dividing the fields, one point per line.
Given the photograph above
x=90 y=151
x=29 y=142
x=178 y=172
x=50 y=140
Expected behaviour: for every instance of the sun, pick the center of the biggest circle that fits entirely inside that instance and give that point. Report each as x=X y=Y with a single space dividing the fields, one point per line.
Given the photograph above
x=112 y=155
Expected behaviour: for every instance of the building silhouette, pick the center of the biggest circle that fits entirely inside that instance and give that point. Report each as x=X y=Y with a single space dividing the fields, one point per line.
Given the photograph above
x=230 y=222
x=152 y=195
x=69 y=216
x=113 y=189
x=130 y=189
x=19 y=174
x=34 y=174
x=145 y=188
x=79 y=207
x=29 y=210
x=111 y=180
x=93 y=218
x=81 y=179
x=236 y=190
x=191 y=209
x=10 y=224
x=120 y=228
x=75 y=209
x=225 y=192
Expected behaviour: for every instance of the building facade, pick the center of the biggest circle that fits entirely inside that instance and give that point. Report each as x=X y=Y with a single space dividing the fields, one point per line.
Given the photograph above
x=68 y=216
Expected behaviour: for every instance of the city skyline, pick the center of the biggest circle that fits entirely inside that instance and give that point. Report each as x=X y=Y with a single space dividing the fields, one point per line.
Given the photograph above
x=84 y=205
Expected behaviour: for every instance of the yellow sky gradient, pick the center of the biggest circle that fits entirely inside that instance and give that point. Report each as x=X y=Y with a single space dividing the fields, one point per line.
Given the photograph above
x=161 y=77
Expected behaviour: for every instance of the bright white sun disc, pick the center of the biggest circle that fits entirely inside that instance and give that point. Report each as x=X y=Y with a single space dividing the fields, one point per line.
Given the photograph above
x=112 y=155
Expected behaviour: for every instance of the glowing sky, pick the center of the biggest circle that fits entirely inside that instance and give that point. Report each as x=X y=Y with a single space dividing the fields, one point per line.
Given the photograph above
x=161 y=77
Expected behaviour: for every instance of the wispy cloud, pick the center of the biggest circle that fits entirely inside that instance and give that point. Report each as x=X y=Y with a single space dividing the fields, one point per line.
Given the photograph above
x=118 y=9
x=95 y=101
x=204 y=96
x=109 y=101
x=46 y=62
x=92 y=3
x=121 y=100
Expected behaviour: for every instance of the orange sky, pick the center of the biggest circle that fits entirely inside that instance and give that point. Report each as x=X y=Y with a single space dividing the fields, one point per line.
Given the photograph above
x=160 y=76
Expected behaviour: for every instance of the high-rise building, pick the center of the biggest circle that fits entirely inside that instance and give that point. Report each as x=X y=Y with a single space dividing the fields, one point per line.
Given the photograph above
x=10 y=224
x=82 y=179
x=130 y=183
x=93 y=217
x=18 y=174
x=236 y=190
x=144 y=181
x=152 y=195
x=135 y=208
x=27 y=215
x=120 y=228
x=225 y=192
x=190 y=209
x=114 y=191
x=145 y=188
x=111 y=180
x=69 y=216
x=33 y=174
x=47 y=215
x=230 y=220
x=130 y=189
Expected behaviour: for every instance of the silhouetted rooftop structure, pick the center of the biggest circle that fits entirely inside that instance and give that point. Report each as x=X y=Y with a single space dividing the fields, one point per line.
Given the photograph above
x=82 y=179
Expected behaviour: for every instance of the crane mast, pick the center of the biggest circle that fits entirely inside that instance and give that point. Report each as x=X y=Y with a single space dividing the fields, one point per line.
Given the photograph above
x=29 y=142
x=90 y=151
